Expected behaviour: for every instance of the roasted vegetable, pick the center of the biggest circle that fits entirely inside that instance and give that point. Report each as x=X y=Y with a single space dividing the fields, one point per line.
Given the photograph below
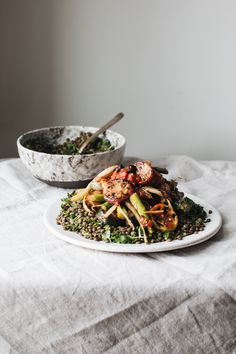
x=105 y=173
x=116 y=191
x=144 y=172
x=137 y=203
x=139 y=206
x=190 y=209
x=122 y=214
x=78 y=196
x=125 y=173
x=95 y=197
x=164 y=214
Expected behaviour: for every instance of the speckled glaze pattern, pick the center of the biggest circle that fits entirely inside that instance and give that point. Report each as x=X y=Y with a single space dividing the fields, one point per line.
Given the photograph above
x=68 y=168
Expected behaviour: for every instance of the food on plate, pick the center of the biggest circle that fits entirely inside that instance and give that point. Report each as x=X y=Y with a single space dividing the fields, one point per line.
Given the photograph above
x=131 y=204
x=71 y=147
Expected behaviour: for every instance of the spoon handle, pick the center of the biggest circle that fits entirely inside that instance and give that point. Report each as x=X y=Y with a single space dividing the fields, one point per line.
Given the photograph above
x=101 y=130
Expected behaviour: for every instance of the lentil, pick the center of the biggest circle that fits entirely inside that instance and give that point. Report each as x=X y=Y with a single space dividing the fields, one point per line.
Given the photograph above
x=74 y=218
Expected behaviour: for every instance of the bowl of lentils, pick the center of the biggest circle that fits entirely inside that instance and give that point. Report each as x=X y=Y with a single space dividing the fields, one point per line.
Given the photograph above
x=52 y=154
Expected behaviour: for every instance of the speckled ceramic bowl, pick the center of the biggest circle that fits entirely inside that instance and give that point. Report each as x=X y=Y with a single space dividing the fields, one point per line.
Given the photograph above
x=68 y=171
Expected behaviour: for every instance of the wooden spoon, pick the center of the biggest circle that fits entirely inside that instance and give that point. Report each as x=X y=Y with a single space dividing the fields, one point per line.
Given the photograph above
x=111 y=122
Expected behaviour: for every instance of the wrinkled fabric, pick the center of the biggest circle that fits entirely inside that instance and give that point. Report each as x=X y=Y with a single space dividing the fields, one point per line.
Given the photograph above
x=59 y=298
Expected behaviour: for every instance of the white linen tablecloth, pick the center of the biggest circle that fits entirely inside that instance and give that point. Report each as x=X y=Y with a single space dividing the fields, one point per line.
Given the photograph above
x=59 y=298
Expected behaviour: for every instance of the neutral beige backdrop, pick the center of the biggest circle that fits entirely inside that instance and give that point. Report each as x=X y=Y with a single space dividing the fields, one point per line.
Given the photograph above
x=169 y=65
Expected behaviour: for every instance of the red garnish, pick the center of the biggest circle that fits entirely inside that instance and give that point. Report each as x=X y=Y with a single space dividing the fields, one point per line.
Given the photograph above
x=146 y=222
x=131 y=178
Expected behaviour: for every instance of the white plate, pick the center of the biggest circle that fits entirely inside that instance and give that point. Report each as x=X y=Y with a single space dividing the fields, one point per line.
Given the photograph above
x=210 y=230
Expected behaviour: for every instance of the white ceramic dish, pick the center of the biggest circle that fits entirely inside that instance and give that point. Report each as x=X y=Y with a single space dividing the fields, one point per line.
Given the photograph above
x=72 y=237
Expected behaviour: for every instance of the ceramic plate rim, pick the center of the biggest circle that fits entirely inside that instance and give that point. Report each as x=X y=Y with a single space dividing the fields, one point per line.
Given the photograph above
x=74 y=238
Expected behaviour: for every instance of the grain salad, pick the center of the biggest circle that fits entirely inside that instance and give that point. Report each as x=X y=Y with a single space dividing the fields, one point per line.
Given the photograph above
x=132 y=204
x=71 y=146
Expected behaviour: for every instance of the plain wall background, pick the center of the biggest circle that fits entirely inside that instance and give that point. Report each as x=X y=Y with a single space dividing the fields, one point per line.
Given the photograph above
x=25 y=69
x=169 y=65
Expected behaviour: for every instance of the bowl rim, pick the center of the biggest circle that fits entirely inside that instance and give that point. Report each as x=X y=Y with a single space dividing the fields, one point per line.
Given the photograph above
x=120 y=136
